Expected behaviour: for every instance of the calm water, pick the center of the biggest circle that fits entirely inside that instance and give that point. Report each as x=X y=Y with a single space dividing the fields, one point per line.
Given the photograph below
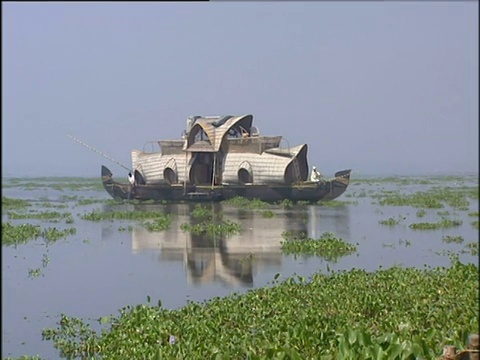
x=110 y=264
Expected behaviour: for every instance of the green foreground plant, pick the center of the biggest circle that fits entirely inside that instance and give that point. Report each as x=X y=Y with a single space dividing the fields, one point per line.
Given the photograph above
x=397 y=313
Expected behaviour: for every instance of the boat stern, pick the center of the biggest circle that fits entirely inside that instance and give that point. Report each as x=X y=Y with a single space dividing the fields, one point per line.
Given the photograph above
x=116 y=190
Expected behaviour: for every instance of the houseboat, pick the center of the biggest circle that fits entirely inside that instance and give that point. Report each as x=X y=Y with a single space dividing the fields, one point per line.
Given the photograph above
x=220 y=157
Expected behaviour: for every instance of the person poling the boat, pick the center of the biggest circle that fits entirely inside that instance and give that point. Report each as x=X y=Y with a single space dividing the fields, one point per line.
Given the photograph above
x=315 y=175
x=131 y=179
x=131 y=187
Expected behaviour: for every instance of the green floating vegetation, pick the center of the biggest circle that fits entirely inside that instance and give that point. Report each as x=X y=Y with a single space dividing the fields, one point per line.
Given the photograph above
x=45 y=215
x=361 y=194
x=397 y=313
x=51 y=205
x=328 y=246
x=421 y=213
x=159 y=223
x=475 y=224
x=471 y=248
x=18 y=234
x=68 y=198
x=244 y=203
x=226 y=227
x=474 y=214
x=33 y=273
x=84 y=202
x=202 y=212
x=414 y=180
x=392 y=221
x=432 y=199
x=53 y=234
x=452 y=239
x=286 y=203
x=10 y=203
x=443 y=224
x=122 y=228
x=96 y=215
x=268 y=214
x=139 y=202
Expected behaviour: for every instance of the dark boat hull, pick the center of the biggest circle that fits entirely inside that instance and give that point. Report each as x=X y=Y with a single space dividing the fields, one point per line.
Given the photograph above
x=305 y=191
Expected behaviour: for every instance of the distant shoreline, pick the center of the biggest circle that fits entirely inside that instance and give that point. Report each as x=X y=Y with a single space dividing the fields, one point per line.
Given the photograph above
x=355 y=175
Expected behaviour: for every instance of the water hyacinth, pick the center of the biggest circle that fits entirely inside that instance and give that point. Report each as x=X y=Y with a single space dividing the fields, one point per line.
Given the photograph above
x=9 y=203
x=452 y=239
x=200 y=212
x=97 y=215
x=42 y=215
x=435 y=198
x=397 y=313
x=328 y=246
x=159 y=224
x=53 y=234
x=226 y=227
x=442 y=224
x=245 y=203
x=17 y=234
x=392 y=221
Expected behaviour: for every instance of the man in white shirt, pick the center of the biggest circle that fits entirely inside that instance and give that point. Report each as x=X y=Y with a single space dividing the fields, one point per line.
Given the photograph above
x=315 y=175
x=131 y=179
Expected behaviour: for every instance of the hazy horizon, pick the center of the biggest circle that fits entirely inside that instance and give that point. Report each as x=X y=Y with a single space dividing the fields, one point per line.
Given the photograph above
x=382 y=88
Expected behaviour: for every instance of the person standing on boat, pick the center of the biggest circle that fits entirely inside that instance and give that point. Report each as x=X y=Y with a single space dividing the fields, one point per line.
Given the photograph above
x=315 y=175
x=131 y=179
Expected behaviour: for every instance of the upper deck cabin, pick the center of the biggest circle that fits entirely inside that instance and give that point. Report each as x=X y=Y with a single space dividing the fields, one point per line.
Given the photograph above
x=222 y=150
x=230 y=134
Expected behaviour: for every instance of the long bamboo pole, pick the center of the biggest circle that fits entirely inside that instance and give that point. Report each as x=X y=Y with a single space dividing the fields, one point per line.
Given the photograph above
x=99 y=152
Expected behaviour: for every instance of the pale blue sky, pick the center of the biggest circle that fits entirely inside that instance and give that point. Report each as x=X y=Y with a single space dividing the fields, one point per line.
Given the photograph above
x=379 y=87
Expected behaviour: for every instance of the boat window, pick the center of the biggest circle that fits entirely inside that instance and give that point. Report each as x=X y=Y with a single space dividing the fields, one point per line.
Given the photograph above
x=170 y=176
x=254 y=131
x=234 y=133
x=201 y=136
x=244 y=176
x=238 y=132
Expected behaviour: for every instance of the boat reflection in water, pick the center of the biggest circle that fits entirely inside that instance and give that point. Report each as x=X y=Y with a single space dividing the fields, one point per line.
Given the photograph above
x=232 y=259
